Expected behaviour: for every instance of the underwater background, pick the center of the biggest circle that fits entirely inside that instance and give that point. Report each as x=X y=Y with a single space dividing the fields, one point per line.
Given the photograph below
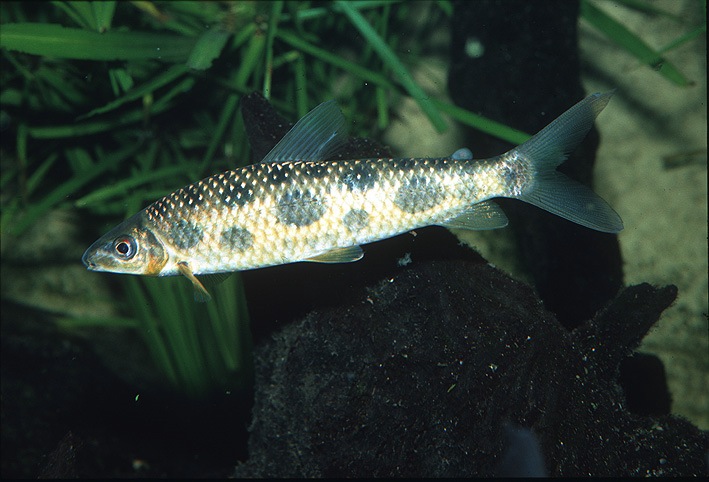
x=115 y=375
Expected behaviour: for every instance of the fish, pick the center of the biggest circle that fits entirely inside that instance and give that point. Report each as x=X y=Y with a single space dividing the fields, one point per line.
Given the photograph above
x=298 y=204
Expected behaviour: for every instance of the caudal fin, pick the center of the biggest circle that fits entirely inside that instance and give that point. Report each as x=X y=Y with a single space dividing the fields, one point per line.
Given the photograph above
x=552 y=190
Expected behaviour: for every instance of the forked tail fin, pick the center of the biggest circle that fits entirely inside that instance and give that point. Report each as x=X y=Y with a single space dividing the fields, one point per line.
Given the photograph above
x=552 y=190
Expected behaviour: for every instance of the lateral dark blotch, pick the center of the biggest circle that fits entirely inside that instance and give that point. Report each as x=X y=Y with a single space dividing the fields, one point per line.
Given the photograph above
x=184 y=234
x=235 y=190
x=299 y=208
x=237 y=238
x=359 y=176
x=355 y=220
x=418 y=193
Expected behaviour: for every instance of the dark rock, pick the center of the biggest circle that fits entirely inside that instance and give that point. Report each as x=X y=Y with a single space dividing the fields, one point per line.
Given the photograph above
x=423 y=375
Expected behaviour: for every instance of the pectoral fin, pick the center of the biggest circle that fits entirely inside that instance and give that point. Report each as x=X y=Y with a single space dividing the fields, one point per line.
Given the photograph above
x=339 y=255
x=200 y=292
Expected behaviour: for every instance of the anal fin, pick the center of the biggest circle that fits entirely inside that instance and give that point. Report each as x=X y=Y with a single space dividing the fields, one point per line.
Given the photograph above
x=339 y=255
x=480 y=216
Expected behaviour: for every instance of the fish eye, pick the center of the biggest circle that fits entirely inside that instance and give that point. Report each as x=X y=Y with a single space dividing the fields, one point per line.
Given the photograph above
x=125 y=247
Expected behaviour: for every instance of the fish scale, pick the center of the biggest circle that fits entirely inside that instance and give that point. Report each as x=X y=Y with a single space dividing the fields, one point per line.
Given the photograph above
x=296 y=205
x=284 y=228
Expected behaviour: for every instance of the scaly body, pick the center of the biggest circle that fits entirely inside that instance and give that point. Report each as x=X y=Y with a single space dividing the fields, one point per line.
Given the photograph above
x=298 y=206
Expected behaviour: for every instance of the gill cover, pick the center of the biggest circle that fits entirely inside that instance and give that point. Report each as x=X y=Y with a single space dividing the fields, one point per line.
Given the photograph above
x=130 y=248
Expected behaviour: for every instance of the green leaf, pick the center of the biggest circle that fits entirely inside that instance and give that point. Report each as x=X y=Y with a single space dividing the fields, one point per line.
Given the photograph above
x=152 y=85
x=70 y=43
x=103 y=13
x=483 y=124
x=62 y=191
x=632 y=43
x=208 y=47
x=392 y=61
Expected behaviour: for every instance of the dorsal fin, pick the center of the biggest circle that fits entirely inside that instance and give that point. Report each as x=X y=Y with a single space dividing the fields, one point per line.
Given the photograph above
x=315 y=137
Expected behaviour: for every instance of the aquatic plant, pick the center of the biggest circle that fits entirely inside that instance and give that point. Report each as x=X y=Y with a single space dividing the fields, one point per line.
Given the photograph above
x=113 y=105
x=106 y=106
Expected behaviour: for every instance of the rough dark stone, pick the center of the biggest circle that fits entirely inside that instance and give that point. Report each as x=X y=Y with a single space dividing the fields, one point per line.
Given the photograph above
x=529 y=74
x=424 y=375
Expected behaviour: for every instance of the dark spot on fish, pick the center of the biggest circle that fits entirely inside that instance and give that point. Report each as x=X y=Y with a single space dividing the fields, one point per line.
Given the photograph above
x=355 y=220
x=299 y=208
x=184 y=234
x=237 y=238
x=359 y=176
x=418 y=193
x=315 y=170
x=235 y=189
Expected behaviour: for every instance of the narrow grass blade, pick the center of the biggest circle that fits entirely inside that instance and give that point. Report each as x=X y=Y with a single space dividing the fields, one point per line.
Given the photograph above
x=368 y=75
x=631 y=42
x=61 y=192
x=501 y=131
x=119 y=188
x=393 y=62
x=152 y=85
x=103 y=13
x=208 y=47
x=276 y=8
x=70 y=43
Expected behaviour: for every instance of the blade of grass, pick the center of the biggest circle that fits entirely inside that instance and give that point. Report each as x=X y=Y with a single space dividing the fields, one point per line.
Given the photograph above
x=119 y=188
x=276 y=8
x=684 y=38
x=103 y=13
x=631 y=42
x=70 y=43
x=300 y=75
x=169 y=310
x=208 y=47
x=250 y=61
x=79 y=12
x=69 y=187
x=392 y=61
x=366 y=74
x=70 y=323
x=318 y=12
x=149 y=329
x=152 y=85
x=481 y=123
x=39 y=173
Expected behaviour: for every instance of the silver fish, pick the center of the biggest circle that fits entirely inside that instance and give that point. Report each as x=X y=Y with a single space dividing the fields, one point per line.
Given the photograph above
x=296 y=205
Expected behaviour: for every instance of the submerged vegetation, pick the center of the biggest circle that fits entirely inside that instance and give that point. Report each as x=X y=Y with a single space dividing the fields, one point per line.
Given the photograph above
x=106 y=106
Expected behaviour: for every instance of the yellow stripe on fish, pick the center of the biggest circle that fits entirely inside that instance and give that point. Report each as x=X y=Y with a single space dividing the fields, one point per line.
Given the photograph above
x=296 y=205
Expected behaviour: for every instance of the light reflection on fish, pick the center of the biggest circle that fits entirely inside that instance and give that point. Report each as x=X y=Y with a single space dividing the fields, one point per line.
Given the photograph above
x=296 y=205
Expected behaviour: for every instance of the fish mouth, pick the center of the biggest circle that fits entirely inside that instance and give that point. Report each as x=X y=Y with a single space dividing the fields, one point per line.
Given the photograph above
x=87 y=259
x=87 y=262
